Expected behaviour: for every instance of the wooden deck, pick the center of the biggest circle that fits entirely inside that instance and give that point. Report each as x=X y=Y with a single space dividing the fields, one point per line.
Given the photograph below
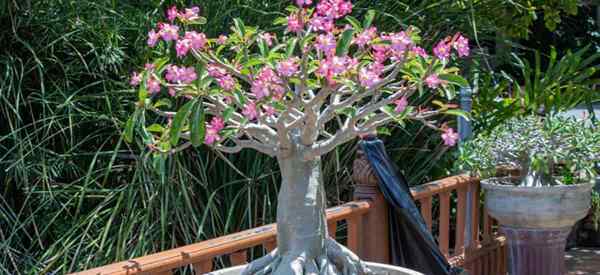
x=583 y=261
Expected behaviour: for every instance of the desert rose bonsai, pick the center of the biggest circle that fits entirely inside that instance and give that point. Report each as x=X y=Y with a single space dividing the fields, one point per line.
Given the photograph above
x=324 y=80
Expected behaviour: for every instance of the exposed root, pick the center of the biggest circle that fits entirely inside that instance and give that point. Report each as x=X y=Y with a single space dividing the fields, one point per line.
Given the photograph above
x=339 y=260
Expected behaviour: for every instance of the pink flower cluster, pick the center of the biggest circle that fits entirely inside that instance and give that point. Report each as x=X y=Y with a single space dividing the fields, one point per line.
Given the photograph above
x=366 y=37
x=189 y=14
x=185 y=75
x=450 y=137
x=401 y=104
x=326 y=44
x=294 y=23
x=267 y=83
x=225 y=80
x=288 y=67
x=371 y=75
x=136 y=79
x=213 y=129
x=191 y=40
x=443 y=49
x=334 y=66
x=250 y=111
x=327 y=11
x=153 y=85
x=433 y=81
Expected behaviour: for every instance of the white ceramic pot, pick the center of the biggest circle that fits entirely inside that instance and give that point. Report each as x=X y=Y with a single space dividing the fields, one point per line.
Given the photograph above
x=379 y=269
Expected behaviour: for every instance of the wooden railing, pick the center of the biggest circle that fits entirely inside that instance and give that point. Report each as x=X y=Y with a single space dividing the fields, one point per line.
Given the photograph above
x=366 y=219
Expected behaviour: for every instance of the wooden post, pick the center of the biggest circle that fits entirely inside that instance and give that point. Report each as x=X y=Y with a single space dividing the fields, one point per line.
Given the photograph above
x=374 y=244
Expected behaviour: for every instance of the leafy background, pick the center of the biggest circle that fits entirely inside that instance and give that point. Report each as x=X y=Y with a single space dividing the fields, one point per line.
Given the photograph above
x=74 y=195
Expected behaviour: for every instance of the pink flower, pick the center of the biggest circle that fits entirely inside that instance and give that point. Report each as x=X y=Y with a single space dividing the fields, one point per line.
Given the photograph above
x=149 y=66
x=335 y=66
x=400 y=42
x=226 y=82
x=182 y=47
x=153 y=85
x=172 y=13
x=250 y=111
x=433 y=81
x=450 y=137
x=288 y=67
x=401 y=104
x=190 y=14
x=136 y=79
x=366 y=37
x=217 y=123
x=222 y=39
x=294 y=23
x=326 y=43
x=185 y=75
x=302 y=3
x=269 y=110
x=267 y=83
x=268 y=38
x=198 y=40
x=169 y=32
x=215 y=71
x=334 y=8
x=442 y=50
x=462 y=46
x=381 y=53
x=419 y=51
x=153 y=37
x=212 y=130
x=322 y=23
x=370 y=76
x=172 y=92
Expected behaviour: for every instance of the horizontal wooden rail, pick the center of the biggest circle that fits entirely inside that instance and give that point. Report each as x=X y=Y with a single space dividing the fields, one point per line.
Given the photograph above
x=200 y=255
x=484 y=255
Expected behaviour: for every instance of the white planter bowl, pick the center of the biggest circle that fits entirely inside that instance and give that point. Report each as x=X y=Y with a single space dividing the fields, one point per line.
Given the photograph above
x=379 y=269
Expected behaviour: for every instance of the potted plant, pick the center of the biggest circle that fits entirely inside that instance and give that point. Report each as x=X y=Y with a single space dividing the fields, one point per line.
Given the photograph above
x=324 y=80
x=536 y=208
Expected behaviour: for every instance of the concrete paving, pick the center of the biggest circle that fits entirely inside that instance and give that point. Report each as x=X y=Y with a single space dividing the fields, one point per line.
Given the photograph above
x=583 y=261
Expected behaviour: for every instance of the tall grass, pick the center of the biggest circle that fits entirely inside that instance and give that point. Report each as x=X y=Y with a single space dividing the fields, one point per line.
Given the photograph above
x=74 y=195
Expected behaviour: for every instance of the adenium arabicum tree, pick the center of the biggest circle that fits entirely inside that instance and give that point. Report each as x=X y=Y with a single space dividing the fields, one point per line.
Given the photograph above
x=326 y=79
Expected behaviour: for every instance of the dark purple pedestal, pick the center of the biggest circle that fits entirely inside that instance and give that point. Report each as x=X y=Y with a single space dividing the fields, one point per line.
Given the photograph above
x=536 y=251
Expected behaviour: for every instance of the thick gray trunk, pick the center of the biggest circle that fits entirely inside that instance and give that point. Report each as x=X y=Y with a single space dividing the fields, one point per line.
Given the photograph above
x=301 y=223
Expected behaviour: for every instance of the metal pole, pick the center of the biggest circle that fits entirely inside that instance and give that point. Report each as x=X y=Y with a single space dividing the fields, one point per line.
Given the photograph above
x=465 y=132
x=466 y=102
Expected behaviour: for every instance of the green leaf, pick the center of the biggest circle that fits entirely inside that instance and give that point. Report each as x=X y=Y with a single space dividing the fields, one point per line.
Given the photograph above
x=262 y=45
x=131 y=122
x=458 y=112
x=368 y=19
x=240 y=27
x=344 y=43
x=155 y=128
x=354 y=22
x=455 y=79
x=198 y=124
x=280 y=21
x=228 y=113
x=291 y=47
x=179 y=121
x=163 y=102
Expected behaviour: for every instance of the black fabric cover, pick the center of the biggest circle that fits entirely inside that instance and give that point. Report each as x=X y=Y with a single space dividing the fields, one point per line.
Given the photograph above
x=412 y=245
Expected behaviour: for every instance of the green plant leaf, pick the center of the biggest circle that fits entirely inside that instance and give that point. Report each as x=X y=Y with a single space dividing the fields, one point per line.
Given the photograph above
x=179 y=121
x=155 y=128
x=458 y=112
x=354 y=22
x=240 y=28
x=368 y=19
x=129 y=126
x=455 y=79
x=344 y=43
x=198 y=124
